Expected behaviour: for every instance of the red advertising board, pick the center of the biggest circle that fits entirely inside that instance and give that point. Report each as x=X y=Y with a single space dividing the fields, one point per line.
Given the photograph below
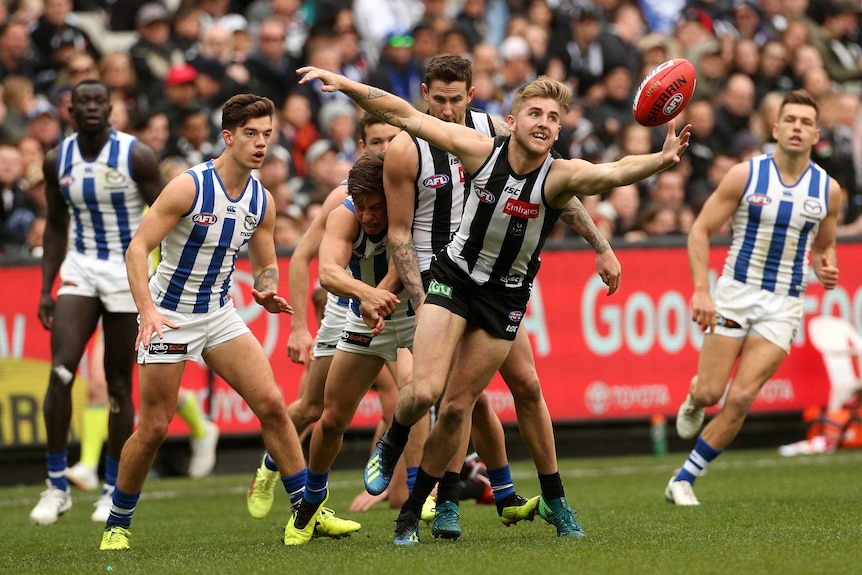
x=625 y=356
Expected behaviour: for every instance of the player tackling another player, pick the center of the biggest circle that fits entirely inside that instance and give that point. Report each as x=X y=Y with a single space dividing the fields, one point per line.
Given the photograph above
x=783 y=207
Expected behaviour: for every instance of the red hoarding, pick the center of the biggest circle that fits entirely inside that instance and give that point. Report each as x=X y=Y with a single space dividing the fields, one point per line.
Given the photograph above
x=626 y=356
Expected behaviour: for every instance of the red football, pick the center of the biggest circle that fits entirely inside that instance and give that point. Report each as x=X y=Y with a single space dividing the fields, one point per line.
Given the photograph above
x=664 y=92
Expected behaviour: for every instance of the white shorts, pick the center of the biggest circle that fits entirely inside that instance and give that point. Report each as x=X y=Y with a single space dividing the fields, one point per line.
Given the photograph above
x=330 y=329
x=775 y=317
x=356 y=337
x=94 y=278
x=198 y=333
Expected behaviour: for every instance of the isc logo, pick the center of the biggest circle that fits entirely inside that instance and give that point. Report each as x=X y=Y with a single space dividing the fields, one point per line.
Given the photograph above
x=204 y=219
x=436 y=181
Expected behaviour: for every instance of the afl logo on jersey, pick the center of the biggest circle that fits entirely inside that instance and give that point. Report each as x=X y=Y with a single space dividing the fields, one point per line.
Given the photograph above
x=204 y=219
x=67 y=181
x=436 y=181
x=759 y=200
x=485 y=196
x=515 y=316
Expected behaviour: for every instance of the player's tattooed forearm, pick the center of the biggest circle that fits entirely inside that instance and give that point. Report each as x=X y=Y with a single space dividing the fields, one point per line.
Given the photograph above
x=266 y=280
x=576 y=217
x=407 y=262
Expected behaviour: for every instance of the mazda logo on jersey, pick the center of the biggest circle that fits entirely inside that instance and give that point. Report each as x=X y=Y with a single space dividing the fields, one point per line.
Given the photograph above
x=813 y=207
x=521 y=209
x=204 y=219
x=435 y=181
x=485 y=196
x=115 y=178
x=250 y=223
x=759 y=200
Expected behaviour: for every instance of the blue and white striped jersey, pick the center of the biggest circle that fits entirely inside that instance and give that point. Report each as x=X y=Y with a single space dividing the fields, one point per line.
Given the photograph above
x=199 y=254
x=369 y=263
x=103 y=198
x=774 y=225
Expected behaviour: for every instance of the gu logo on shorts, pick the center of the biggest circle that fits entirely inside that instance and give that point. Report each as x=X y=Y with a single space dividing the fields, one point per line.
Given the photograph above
x=360 y=339
x=435 y=181
x=163 y=348
x=442 y=290
x=521 y=209
x=204 y=219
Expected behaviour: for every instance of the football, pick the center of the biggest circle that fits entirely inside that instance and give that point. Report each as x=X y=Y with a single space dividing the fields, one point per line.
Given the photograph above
x=664 y=93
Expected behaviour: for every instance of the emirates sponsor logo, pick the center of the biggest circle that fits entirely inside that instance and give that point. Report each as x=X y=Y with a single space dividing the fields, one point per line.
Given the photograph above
x=521 y=209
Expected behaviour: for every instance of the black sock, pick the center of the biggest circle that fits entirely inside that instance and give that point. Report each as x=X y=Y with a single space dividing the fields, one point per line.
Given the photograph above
x=421 y=490
x=448 y=490
x=398 y=433
x=552 y=486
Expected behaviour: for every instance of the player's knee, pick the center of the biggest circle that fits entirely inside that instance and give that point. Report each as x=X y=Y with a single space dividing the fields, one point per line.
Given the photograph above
x=332 y=426
x=525 y=389
x=272 y=412
x=705 y=395
x=451 y=416
x=60 y=374
x=424 y=398
x=739 y=401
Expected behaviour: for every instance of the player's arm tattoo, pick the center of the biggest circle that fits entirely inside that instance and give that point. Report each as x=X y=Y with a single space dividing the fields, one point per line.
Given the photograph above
x=576 y=217
x=388 y=115
x=500 y=127
x=267 y=279
x=407 y=263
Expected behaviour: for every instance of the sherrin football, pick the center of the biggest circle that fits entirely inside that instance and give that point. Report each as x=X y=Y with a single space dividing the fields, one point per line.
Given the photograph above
x=664 y=92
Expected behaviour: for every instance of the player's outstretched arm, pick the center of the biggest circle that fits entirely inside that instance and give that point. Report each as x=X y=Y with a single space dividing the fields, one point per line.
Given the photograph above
x=466 y=143
x=584 y=178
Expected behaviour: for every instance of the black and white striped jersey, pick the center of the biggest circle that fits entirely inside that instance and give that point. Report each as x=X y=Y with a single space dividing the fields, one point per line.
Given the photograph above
x=440 y=185
x=505 y=224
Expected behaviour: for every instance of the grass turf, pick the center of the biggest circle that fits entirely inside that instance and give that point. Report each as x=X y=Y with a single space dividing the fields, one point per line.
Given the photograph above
x=759 y=513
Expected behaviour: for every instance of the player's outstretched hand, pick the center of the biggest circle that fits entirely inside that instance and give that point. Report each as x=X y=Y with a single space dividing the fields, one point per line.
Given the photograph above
x=271 y=301
x=331 y=81
x=675 y=144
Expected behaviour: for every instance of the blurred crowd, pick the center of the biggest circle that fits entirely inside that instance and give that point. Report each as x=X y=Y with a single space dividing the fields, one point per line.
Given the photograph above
x=172 y=65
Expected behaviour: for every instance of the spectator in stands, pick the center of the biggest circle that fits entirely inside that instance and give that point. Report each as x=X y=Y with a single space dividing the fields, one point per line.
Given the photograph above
x=621 y=208
x=16 y=54
x=117 y=71
x=339 y=124
x=16 y=210
x=53 y=31
x=269 y=65
x=700 y=113
x=668 y=188
x=614 y=111
x=195 y=143
x=287 y=231
x=842 y=57
x=80 y=66
x=655 y=219
x=399 y=71
x=325 y=172
x=735 y=111
x=179 y=95
x=516 y=68
x=772 y=75
x=32 y=157
x=155 y=53
x=296 y=131
x=378 y=20
x=44 y=124
x=18 y=99
x=355 y=64
x=186 y=31
x=471 y=21
x=747 y=20
x=152 y=127
x=426 y=42
x=294 y=18
x=835 y=152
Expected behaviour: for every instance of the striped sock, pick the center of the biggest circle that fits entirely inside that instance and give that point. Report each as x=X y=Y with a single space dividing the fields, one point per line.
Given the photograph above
x=501 y=482
x=315 y=486
x=411 y=477
x=122 y=507
x=57 y=463
x=295 y=485
x=697 y=461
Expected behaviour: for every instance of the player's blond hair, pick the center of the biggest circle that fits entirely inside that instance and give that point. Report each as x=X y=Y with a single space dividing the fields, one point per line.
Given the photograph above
x=543 y=87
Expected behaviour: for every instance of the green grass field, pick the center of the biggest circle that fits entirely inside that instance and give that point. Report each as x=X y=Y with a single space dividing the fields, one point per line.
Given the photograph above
x=759 y=513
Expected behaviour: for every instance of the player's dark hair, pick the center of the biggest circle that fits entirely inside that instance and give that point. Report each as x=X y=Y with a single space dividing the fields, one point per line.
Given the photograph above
x=800 y=97
x=90 y=82
x=239 y=109
x=449 y=68
x=366 y=121
x=366 y=177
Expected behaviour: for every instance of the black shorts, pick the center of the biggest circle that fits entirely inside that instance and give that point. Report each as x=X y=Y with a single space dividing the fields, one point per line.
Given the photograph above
x=495 y=309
